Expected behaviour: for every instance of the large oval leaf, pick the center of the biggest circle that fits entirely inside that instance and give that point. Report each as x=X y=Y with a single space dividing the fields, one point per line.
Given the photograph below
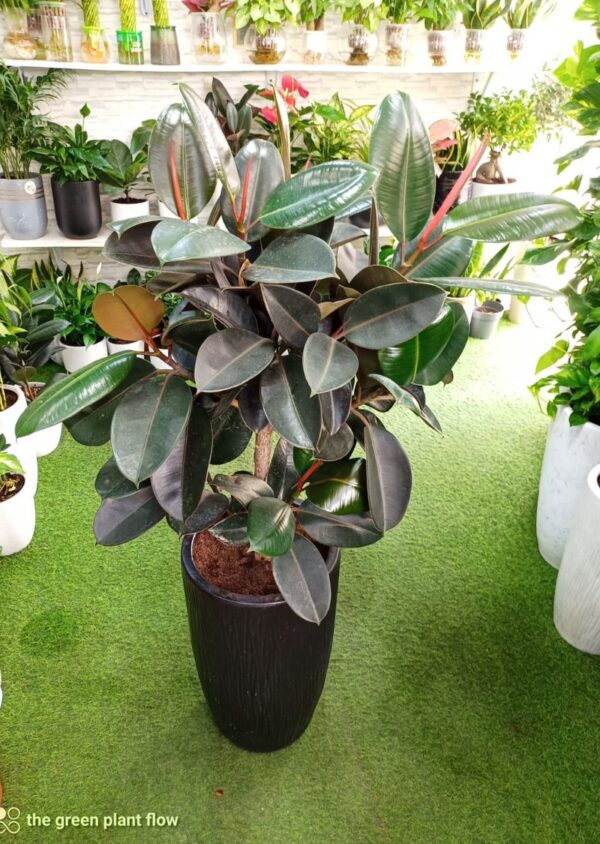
x=328 y=364
x=293 y=258
x=110 y=483
x=128 y=312
x=122 y=519
x=244 y=488
x=68 y=396
x=178 y=240
x=188 y=331
x=233 y=530
x=437 y=369
x=389 y=477
x=207 y=513
x=392 y=314
x=448 y=256
x=283 y=476
x=402 y=363
x=250 y=406
x=401 y=150
x=288 y=404
x=227 y=307
x=335 y=407
x=410 y=399
x=294 y=314
x=263 y=161
x=512 y=216
x=174 y=149
x=303 y=580
x=317 y=194
x=271 y=526
x=230 y=358
x=496 y=285
x=353 y=531
x=134 y=247
x=147 y=424
x=340 y=487
x=231 y=436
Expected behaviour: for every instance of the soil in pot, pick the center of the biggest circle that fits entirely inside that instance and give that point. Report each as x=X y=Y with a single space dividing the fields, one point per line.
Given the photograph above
x=233 y=567
x=13 y=485
x=10 y=398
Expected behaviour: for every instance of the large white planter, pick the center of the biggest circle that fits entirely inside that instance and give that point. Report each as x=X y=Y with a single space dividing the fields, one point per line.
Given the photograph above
x=577 y=598
x=9 y=417
x=570 y=454
x=166 y=212
x=45 y=441
x=20 y=448
x=17 y=520
x=128 y=210
x=478 y=189
x=115 y=348
x=76 y=357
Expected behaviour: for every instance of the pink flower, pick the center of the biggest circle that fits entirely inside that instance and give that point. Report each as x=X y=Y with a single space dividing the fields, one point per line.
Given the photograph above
x=289 y=85
x=269 y=114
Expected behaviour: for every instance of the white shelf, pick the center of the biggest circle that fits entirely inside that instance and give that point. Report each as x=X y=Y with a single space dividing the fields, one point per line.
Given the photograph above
x=55 y=240
x=247 y=67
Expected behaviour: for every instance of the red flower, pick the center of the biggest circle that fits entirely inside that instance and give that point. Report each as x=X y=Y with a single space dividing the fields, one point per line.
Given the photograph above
x=269 y=114
x=289 y=85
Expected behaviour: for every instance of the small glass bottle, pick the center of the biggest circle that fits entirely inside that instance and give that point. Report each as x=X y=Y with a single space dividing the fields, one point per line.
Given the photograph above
x=130 y=47
x=362 y=45
x=396 y=43
x=19 y=42
x=474 y=45
x=265 y=48
x=210 y=39
x=94 y=47
x=438 y=46
x=515 y=41
x=56 y=34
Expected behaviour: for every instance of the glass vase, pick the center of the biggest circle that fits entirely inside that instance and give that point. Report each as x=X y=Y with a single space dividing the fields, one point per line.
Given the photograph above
x=56 y=34
x=34 y=27
x=475 y=41
x=164 y=48
x=362 y=45
x=515 y=41
x=94 y=47
x=267 y=48
x=130 y=47
x=210 y=39
x=396 y=43
x=18 y=42
x=438 y=46
x=315 y=46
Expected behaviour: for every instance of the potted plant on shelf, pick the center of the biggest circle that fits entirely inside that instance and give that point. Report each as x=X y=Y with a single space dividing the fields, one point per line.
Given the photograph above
x=130 y=42
x=22 y=203
x=438 y=16
x=508 y=121
x=286 y=353
x=364 y=18
x=121 y=174
x=520 y=16
x=164 y=48
x=265 y=20
x=94 y=46
x=208 y=28
x=478 y=16
x=451 y=151
x=75 y=164
x=312 y=15
x=235 y=118
x=398 y=17
x=56 y=33
x=19 y=42
x=17 y=506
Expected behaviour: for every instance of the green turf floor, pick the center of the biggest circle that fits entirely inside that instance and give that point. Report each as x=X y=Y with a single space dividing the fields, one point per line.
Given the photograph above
x=452 y=712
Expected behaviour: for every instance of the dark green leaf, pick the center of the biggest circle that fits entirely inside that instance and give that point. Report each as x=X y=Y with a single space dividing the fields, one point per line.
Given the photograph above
x=266 y=173
x=288 y=404
x=328 y=364
x=226 y=306
x=402 y=363
x=335 y=407
x=496 y=285
x=448 y=256
x=389 y=477
x=407 y=398
x=354 y=531
x=282 y=477
x=110 y=483
x=120 y=520
x=231 y=436
x=438 y=368
x=294 y=314
x=230 y=358
x=188 y=331
x=293 y=258
x=340 y=487
x=178 y=240
x=250 y=406
x=345 y=233
x=303 y=579
x=233 y=530
x=271 y=526
x=243 y=487
x=335 y=446
x=211 y=508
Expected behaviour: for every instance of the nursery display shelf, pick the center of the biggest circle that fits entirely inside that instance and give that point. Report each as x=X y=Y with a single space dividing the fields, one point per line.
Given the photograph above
x=247 y=67
x=55 y=240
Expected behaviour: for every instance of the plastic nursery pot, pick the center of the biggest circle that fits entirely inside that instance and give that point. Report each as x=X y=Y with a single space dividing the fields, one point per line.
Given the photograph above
x=164 y=48
x=45 y=441
x=515 y=42
x=396 y=43
x=362 y=45
x=56 y=35
x=94 y=47
x=19 y=42
x=438 y=46
x=265 y=49
x=315 y=46
x=444 y=184
x=485 y=319
x=77 y=207
x=76 y=357
x=130 y=47
x=209 y=36
x=23 y=207
x=262 y=668
x=127 y=209
x=17 y=518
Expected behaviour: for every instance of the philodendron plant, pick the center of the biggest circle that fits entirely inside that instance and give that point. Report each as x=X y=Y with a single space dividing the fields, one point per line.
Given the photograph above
x=287 y=335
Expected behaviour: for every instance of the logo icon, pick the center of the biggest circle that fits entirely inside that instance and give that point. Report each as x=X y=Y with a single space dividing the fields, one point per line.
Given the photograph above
x=30 y=188
x=9 y=820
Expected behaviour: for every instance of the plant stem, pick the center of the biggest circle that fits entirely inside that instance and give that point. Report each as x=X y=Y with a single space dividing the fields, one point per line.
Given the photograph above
x=262 y=453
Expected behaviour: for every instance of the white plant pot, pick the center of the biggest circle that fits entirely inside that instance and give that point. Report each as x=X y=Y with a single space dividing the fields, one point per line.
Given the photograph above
x=165 y=212
x=17 y=520
x=128 y=210
x=480 y=189
x=45 y=441
x=28 y=461
x=76 y=357
x=9 y=417
x=571 y=452
x=577 y=598
x=115 y=348
x=468 y=303
x=20 y=448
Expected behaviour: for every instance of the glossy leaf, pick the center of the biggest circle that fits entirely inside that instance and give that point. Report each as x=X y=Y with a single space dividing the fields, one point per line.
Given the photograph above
x=134 y=248
x=120 y=520
x=266 y=173
x=303 y=580
x=513 y=216
x=294 y=314
x=207 y=513
x=46 y=331
x=231 y=436
x=333 y=447
x=147 y=424
x=233 y=530
x=226 y=306
x=340 y=487
x=441 y=365
x=328 y=363
x=345 y=233
x=244 y=488
x=188 y=331
x=317 y=194
x=288 y=404
x=271 y=526
x=375 y=275
x=496 y=285
x=402 y=363
x=77 y=391
x=353 y=531
x=449 y=256
x=110 y=483
x=392 y=314
x=400 y=148
x=335 y=407
x=292 y=258
x=178 y=240
x=230 y=358
x=128 y=312
x=250 y=407
x=282 y=477
x=389 y=477
x=407 y=398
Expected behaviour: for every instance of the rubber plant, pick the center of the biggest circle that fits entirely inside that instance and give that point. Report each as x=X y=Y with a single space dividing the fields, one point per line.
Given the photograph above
x=287 y=337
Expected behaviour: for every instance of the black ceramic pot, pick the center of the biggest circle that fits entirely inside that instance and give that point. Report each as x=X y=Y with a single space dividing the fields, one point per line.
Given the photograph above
x=262 y=668
x=77 y=207
x=444 y=184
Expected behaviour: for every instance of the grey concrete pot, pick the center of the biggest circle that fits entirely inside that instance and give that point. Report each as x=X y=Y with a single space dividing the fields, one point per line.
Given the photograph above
x=23 y=207
x=485 y=319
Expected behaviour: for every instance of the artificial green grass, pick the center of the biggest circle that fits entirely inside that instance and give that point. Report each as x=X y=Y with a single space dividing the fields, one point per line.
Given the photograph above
x=453 y=712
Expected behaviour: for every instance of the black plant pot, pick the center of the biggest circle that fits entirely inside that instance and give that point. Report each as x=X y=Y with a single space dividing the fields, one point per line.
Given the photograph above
x=444 y=184
x=262 y=668
x=77 y=207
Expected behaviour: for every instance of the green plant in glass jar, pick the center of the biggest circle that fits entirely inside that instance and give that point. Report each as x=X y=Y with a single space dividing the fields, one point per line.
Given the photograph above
x=364 y=17
x=265 y=20
x=130 y=43
x=94 y=45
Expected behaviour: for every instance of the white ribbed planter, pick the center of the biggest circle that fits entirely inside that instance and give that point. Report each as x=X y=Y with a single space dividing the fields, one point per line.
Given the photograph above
x=9 y=417
x=128 y=210
x=570 y=454
x=115 y=348
x=45 y=441
x=17 y=520
x=76 y=357
x=577 y=598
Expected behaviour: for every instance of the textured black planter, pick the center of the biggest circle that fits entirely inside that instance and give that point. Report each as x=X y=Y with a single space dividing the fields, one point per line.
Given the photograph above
x=262 y=668
x=77 y=207
x=444 y=184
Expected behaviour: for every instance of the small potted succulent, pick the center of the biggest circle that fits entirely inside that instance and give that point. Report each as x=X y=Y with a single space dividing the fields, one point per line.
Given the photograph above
x=478 y=16
x=121 y=174
x=19 y=41
x=312 y=15
x=22 y=202
x=75 y=164
x=520 y=16
x=17 y=504
x=363 y=19
x=130 y=42
x=265 y=40
x=94 y=47
x=439 y=17
x=208 y=29
x=398 y=16
x=164 y=48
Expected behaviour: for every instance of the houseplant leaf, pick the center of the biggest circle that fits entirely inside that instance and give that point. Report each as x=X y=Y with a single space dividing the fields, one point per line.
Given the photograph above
x=436 y=370
x=292 y=258
x=328 y=364
x=288 y=404
x=407 y=398
x=250 y=406
x=128 y=312
x=448 y=256
x=496 y=285
x=244 y=488
x=231 y=436
x=125 y=518
x=389 y=477
x=335 y=407
x=230 y=358
x=352 y=531
x=271 y=526
x=282 y=477
x=110 y=483
x=340 y=487
x=178 y=240
x=402 y=363
x=207 y=513
x=188 y=331
x=303 y=580
x=226 y=306
x=294 y=314
x=233 y=530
